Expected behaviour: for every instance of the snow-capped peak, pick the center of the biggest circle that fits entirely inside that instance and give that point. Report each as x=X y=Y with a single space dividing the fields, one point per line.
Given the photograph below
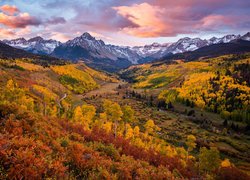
x=36 y=45
x=246 y=37
x=86 y=35
x=98 y=49
x=231 y=37
x=36 y=39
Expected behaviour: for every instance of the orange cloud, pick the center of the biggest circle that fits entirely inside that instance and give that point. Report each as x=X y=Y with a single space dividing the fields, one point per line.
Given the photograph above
x=18 y=21
x=165 y=18
x=9 y=9
x=148 y=19
x=23 y=32
x=60 y=36
x=5 y=33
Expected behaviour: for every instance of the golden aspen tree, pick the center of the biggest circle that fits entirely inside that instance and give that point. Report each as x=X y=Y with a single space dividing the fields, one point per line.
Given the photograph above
x=151 y=128
x=136 y=131
x=100 y=120
x=53 y=111
x=88 y=112
x=129 y=132
x=114 y=113
x=107 y=126
x=139 y=143
x=191 y=144
x=128 y=116
x=225 y=163
x=209 y=159
x=77 y=115
x=13 y=94
x=10 y=85
x=103 y=117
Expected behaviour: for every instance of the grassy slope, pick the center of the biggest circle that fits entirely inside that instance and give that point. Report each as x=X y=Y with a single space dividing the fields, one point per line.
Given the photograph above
x=38 y=80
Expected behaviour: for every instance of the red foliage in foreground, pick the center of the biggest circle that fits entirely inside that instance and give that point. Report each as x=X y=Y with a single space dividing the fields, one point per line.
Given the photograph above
x=34 y=147
x=128 y=149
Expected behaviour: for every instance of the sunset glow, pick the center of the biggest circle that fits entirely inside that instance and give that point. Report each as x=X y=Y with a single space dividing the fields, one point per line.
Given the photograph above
x=131 y=22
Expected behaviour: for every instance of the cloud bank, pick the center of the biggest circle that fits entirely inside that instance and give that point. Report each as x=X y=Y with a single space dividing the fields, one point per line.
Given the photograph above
x=124 y=21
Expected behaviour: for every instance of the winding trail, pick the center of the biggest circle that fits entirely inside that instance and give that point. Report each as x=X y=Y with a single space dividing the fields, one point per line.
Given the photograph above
x=60 y=100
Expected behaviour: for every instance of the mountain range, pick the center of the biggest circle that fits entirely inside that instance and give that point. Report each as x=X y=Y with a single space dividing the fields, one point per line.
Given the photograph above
x=36 y=45
x=9 y=52
x=238 y=46
x=111 y=57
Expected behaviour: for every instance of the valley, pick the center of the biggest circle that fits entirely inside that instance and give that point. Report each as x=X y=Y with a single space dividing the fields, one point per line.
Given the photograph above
x=125 y=90
x=72 y=102
x=176 y=124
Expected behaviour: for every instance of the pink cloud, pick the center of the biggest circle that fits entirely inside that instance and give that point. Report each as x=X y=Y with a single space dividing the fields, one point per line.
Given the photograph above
x=150 y=20
x=6 y=33
x=213 y=21
x=170 y=18
x=9 y=9
x=23 y=32
x=148 y=24
x=14 y=33
x=60 y=36
x=18 y=21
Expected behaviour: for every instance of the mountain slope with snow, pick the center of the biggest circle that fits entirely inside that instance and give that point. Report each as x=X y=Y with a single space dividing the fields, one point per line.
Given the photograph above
x=110 y=57
x=96 y=53
x=36 y=45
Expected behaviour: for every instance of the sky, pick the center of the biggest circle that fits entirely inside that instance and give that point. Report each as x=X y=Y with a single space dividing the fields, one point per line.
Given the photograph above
x=123 y=22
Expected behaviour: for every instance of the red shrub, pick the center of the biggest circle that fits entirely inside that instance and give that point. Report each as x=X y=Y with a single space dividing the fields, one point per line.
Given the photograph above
x=128 y=149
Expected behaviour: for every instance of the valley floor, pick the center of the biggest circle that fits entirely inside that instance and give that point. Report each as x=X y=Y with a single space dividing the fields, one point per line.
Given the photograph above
x=175 y=124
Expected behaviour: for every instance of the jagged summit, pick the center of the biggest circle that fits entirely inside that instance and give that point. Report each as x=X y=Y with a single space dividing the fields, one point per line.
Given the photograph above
x=36 y=39
x=36 y=45
x=246 y=37
x=88 y=47
x=86 y=35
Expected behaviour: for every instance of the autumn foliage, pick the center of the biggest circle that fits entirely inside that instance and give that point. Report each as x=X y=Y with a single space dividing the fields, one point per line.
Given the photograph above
x=42 y=138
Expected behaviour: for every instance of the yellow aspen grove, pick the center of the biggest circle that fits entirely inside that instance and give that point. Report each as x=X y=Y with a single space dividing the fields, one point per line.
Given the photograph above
x=77 y=115
x=100 y=120
x=129 y=132
x=209 y=159
x=191 y=144
x=107 y=126
x=128 y=116
x=114 y=113
x=88 y=112
x=225 y=163
x=10 y=85
x=151 y=128
x=136 y=131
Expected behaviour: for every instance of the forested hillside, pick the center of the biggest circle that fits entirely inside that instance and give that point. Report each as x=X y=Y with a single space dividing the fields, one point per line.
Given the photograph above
x=53 y=127
x=219 y=85
x=209 y=98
